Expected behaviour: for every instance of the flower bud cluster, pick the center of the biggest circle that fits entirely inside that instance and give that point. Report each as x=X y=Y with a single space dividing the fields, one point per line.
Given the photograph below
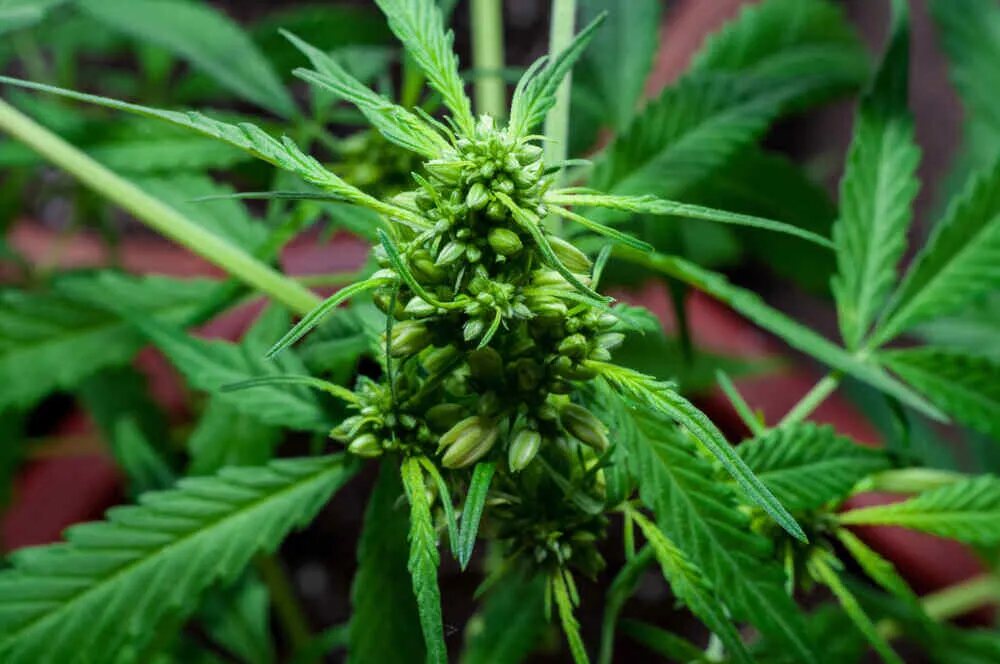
x=488 y=341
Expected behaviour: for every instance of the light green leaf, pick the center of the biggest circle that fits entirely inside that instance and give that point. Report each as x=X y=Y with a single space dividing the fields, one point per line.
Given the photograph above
x=662 y=400
x=162 y=154
x=510 y=624
x=420 y=26
x=423 y=562
x=570 y=625
x=382 y=580
x=701 y=516
x=227 y=436
x=535 y=93
x=806 y=465
x=964 y=385
x=688 y=584
x=959 y=264
x=394 y=122
x=53 y=341
x=150 y=563
x=876 y=192
x=203 y=36
x=808 y=44
x=796 y=335
x=967 y=511
x=17 y=14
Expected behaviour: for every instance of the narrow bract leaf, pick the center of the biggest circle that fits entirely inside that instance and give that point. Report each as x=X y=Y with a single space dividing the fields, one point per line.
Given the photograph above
x=149 y=563
x=535 y=93
x=570 y=625
x=806 y=465
x=964 y=385
x=967 y=511
x=877 y=192
x=475 y=501
x=420 y=26
x=423 y=562
x=394 y=122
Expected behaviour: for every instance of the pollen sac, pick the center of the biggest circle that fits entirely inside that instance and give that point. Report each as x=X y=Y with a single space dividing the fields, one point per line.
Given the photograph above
x=523 y=449
x=468 y=441
x=584 y=426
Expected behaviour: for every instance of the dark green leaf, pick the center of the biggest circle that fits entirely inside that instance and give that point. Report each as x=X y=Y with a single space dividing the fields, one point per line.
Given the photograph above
x=472 y=512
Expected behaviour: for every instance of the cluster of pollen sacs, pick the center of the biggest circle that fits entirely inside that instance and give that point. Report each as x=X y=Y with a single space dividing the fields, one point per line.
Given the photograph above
x=497 y=368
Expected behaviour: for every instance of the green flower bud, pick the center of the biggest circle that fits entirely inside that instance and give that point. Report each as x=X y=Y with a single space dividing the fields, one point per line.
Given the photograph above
x=477 y=197
x=505 y=242
x=504 y=185
x=438 y=359
x=574 y=259
x=600 y=354
x=486 y=366
x=528 y=153
x=424 y=269
x=549 y=308
x=366 y=445
x=607 y=321
x=487 y=170
x=473 y=329
x=488 y=404
x=528 y=374
x=448 y=172
x=523 y=449
x=511 y=163
x=450 y=253
x=548 y=278
x=468 y=441
x=473 y=254
x=409 y=337
x=348 y=428
x=611 y=340
x=496 y=211
x=574 y=346
x=417 y=306
x=444 y=416
x=583 y=426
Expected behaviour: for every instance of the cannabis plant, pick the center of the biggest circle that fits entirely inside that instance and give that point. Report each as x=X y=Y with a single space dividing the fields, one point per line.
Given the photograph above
x=492 y=400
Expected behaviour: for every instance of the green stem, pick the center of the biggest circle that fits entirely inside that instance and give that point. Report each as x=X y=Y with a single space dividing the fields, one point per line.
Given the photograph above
x=812 y=399
x=488 y=57
x=156 y=214
x=286 y=605
x=952 y=602
x=557 y=120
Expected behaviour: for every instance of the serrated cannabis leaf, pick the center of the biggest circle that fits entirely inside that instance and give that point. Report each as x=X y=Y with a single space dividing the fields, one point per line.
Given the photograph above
x=203 y=36
x=808 y=44
x=420 y=26
x=806 y=465
x=967 y=511
x=535 y=93
x=662 y=400
x=149 y=563
x=472 y=512
x=382 y=580
x=698 y=514
x=690 y=586
x=394 y=122
x=959 y=264
x=570 y=625
x=423 y=561
x=52 y=341
x=964 y=385
x=796 y=335
x=876 y=192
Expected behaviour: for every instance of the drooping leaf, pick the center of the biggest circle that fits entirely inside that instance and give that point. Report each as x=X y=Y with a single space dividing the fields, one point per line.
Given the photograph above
x=806 y=465
x=203 y=36
x=570 y=625
x=796 y=335
x=690 y=586
x=807 y=44
x=959 y=264
x=420 y=26
x=52 y=341
x=964 y=385
x=151 y=562
x=699 y=515
x=666 y=644
x=472 y=512
x=510 y=624
x=661 y=399
x=382 y=580
x=238 y=619
x=423 y=562
x=967 y=511
x=396 y=123
x=535 y=93
x=876 y=192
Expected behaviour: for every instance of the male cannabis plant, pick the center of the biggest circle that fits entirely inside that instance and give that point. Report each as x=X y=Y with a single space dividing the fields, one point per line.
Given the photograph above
x=496 y=406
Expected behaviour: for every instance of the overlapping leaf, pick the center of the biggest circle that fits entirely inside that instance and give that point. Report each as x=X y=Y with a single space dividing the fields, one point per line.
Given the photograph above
x=806 y=466
x=113 y=582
